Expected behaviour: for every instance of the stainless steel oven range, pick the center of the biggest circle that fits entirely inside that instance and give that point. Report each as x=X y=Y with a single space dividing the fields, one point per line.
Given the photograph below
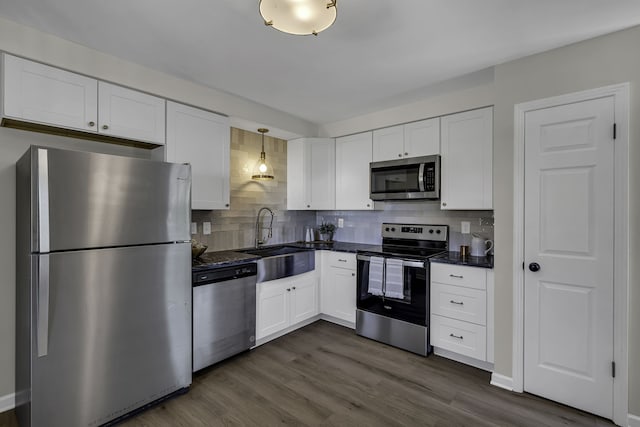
x=393 y=286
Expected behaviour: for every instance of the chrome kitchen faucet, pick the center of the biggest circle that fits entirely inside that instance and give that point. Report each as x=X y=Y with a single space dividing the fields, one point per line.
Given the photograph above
x=259 y=241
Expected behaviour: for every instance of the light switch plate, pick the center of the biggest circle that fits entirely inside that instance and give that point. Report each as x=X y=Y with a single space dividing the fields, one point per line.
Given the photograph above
x=340 y=222
x=465 y=227
x=194 y=228
x=206 y=228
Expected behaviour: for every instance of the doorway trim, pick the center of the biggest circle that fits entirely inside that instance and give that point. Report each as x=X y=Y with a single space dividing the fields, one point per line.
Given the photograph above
x=620 y=92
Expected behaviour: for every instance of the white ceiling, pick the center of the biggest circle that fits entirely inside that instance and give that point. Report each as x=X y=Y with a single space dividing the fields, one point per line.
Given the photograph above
x=377 y=55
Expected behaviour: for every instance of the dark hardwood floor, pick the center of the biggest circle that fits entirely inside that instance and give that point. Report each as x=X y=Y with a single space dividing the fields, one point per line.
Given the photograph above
x=325 y=375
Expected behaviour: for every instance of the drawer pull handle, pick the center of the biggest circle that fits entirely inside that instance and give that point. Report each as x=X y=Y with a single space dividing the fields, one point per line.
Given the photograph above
x=456 y=302
x=460 y=337
x=342 y=260
x=456 y=276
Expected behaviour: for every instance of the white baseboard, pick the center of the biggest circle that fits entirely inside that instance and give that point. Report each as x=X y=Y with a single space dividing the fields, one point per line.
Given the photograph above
x=634 y=420
x=337 y=321
x=502 y=381
x=480 y=364
x=7 y=402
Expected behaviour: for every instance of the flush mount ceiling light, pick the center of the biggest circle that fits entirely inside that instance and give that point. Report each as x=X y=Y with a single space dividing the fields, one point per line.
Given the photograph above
x=262 y=170
x=299 y=17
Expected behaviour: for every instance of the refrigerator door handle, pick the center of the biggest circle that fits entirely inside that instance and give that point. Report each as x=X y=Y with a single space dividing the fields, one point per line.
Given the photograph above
x=43 y=200
x=42 y=321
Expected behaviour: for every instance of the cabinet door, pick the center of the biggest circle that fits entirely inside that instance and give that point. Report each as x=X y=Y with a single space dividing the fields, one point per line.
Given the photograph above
x=388 y=143
x=422 y=138
x=322 y=173
x=38 y=93
x=467 y=165
x=126 y=113
x=341 y=294
x=202 y=139
x=304 y=298
x=353 y=155
x=273 y=307
x=298 y=184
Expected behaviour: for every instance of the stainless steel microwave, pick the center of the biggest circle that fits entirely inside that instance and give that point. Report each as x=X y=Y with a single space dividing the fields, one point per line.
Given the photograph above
x=406 y=179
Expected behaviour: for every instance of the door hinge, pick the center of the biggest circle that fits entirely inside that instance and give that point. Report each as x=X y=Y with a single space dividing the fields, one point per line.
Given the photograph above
x=614 y=131
x=523 y=265
x=613 y=369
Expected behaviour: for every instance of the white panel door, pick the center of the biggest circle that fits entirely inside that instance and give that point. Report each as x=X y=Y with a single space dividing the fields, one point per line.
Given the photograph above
x=569 y=235
x=304 y=298
x=353 y=155
x=38 y=93
x=388 y=143
x=422 y=138
x=202 y=139
x=273 y=302
x=127 y=113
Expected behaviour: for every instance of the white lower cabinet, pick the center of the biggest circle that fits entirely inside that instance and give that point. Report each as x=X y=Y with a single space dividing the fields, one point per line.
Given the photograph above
x=285 y=302
x=338 y=290
x=462 y=312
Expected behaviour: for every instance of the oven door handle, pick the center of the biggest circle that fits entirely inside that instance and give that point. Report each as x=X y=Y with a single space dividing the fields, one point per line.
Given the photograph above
x=406 y=262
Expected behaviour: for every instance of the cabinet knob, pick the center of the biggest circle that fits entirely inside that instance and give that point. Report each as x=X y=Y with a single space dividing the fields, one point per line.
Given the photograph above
x=288 y=289
x=444 y=203
x=105 y=127
x=294 y=288
x=308 y=206
x=400 y=155
x=227 y=205
x=368 y=205
x=92 y=124
x=353 y=274
x=406 y=154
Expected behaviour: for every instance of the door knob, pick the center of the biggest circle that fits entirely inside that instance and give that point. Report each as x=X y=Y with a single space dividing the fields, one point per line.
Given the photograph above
x=534 y=266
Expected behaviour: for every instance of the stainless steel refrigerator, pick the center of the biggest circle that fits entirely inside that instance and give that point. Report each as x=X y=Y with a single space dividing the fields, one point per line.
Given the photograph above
x=103 y=298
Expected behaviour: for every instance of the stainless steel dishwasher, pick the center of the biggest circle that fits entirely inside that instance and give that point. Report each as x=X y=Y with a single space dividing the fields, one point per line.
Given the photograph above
x=224 y=313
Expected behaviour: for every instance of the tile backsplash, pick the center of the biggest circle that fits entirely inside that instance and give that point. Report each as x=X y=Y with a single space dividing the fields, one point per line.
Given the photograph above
x=365 y=226
x=235 y=228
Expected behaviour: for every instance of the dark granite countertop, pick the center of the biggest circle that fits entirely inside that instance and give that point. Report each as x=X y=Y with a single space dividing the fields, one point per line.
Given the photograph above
x=221 y=259
x=470 y=261
x=229 y=258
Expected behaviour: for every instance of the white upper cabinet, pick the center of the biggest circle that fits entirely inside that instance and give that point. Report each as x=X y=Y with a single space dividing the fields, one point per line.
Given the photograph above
x=422 y=138
x=410 y=140
x=311 y=174
x=388 y=143
x=353 y=155
x=467 y=160
x=46 y=95
x=202 y=139
x=126 y=113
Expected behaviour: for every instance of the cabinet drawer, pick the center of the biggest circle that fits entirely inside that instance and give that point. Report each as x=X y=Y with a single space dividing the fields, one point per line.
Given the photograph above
x=456 y=302
x=460 y=337
x=459 y=275
x=342 y=260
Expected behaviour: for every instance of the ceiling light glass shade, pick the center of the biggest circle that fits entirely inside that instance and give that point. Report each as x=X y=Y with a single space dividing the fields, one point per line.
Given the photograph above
x=262 y=170
x=299 y=17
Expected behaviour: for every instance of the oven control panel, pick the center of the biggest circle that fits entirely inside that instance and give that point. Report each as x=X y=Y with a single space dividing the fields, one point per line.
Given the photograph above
x=415 y=231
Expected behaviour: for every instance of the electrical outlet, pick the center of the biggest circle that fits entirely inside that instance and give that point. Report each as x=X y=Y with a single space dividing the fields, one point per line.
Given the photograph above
x=194 y=228
x=206 y=228
x=465 y=227
x=340 y=222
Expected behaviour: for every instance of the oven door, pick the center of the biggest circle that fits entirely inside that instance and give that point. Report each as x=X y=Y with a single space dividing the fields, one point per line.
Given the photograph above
x=413 y=308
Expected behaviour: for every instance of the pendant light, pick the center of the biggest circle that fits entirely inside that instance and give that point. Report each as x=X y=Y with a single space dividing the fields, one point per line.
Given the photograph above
x=262 y=170
x=299 y=17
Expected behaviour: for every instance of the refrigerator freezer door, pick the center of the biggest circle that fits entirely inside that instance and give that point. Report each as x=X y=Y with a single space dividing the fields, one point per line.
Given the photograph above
x=119 y=332
x=88 y=200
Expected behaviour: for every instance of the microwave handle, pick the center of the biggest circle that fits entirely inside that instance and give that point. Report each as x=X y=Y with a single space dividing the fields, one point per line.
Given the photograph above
x=421 y=177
